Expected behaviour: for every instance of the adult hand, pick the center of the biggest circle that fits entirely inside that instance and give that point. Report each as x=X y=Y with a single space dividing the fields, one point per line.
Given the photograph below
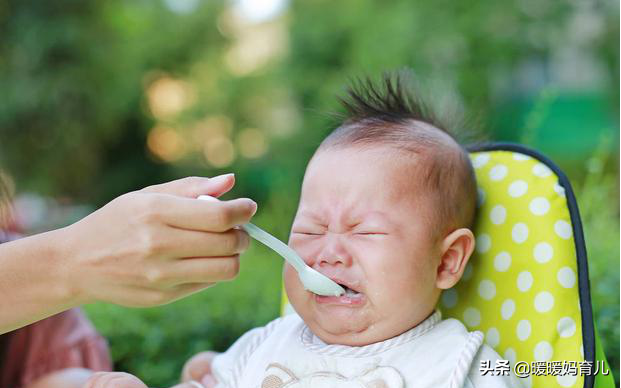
x=156 y=245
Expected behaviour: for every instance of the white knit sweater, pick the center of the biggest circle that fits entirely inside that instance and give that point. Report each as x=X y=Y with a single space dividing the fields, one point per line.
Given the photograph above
x=286 y=354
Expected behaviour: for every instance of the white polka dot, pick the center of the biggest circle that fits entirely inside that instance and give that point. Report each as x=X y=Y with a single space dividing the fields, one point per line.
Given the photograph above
x=472 y=317
x=541 y=170
x=560 y=190
x=498 y=214
x=519 y=233
x=510 y=355
x=524 y=281
x=483 y=243
x=449 y=298
x=492 y=337
x=539 y=206
x=467 y=272
x=523 y=329
x=518 y=188
x=543 y=252
x=520 y=157
x=544 y=301
x=566 y=327
x=566 y=380
x=566 y=277
x=487 y=289
x=480 y=160
x=562 y=229
x=543 y=351
x=507 y=309
x=502 y=261
x=480 y=196
x=582 y=350
x=498 y=172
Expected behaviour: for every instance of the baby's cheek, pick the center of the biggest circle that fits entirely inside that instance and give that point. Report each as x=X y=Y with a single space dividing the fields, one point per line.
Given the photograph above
x=292 y=281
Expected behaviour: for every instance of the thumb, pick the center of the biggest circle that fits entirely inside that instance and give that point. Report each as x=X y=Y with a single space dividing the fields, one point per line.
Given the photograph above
x=194 y=186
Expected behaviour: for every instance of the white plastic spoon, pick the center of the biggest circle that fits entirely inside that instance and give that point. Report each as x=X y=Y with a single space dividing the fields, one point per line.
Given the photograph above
x=311 y=279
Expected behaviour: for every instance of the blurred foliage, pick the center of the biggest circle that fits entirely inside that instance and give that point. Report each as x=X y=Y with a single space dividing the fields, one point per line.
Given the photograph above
x=600 y=217
x=98 y=98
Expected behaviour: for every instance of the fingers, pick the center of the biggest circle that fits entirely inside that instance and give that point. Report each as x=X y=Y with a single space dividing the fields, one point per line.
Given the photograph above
x=198 y=366
x=208 y=216
x=158 y=296
x=191 y=243
x=113 y=380
x=184 y=290
x=192 y=187
x=203 y=270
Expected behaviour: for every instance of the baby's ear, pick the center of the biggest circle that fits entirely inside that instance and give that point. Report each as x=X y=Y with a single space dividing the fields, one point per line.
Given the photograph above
x=456 y=249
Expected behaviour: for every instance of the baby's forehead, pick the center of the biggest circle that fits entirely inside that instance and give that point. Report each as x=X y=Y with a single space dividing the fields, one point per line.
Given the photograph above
x=403 y=172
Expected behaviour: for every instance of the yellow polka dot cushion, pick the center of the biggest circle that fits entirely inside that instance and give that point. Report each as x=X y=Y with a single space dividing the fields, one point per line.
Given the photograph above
x=526 y=287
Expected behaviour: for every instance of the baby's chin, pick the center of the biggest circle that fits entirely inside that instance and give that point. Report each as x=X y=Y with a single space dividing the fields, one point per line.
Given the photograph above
x=344 y=326
x=333 y=330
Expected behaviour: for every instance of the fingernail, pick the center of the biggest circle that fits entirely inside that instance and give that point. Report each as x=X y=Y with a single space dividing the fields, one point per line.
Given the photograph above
x=254 y=207
x=222 y=178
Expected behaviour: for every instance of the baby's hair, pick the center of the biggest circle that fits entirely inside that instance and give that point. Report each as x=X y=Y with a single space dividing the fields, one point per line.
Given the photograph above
x=390 y=112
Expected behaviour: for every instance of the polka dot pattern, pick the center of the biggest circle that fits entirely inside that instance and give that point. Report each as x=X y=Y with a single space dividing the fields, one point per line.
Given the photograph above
x=487 y=289
x=520 y=287
x=543 y=351
x=502 y=261
x=543 y=252
x=472 y=317
x=566 y=327
x=492 y=337
x=498 y=214
x=519 y=233
x=507 y=309
x=539 y=206
x=518 y=188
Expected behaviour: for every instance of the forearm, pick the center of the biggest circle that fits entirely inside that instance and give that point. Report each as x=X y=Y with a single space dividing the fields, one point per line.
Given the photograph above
x=34 y=280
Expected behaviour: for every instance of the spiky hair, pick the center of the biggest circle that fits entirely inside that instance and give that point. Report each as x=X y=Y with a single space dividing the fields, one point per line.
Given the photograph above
x=391 y=112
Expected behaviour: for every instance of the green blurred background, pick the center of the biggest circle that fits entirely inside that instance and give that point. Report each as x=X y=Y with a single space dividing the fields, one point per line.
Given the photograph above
x=99 y=98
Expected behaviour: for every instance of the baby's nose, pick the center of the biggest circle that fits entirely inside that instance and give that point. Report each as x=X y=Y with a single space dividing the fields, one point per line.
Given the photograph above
x=334 y=254
x=335 y=260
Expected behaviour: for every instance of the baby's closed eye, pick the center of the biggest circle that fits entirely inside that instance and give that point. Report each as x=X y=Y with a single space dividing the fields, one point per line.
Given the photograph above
x=307 y=233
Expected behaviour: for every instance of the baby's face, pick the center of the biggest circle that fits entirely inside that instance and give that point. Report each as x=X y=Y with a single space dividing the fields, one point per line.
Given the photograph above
x=363 y=222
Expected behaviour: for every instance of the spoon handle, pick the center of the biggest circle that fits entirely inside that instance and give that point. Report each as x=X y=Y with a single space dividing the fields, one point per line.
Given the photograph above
x=275 y=244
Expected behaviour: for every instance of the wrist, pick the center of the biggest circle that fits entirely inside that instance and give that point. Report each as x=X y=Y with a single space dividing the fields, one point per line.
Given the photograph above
x=65 y=268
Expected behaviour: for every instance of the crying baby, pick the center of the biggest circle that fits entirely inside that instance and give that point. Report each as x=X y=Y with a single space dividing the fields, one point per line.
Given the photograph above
x=386 y=210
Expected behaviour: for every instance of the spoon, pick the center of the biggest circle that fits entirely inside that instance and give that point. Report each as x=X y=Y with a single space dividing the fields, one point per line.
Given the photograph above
x=311 y=279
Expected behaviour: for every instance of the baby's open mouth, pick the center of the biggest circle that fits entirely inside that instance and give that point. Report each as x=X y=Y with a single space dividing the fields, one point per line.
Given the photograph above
x=352 y=297
x=349 y=292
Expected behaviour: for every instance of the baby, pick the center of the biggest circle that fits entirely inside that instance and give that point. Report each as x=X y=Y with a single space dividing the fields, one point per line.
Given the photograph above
x=386 y=210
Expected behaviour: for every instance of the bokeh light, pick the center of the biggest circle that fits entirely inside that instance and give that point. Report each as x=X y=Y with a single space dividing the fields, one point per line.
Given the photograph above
x=166 y=144
x=252 y=143
x=168 y=96
x=219 y=152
